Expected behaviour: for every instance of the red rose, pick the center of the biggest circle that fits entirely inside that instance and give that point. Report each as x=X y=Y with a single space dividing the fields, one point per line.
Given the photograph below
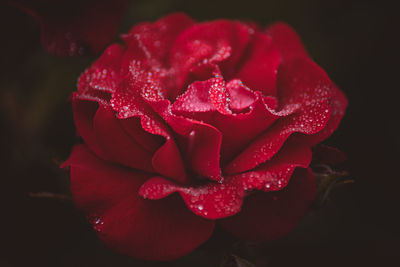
x=191 y=124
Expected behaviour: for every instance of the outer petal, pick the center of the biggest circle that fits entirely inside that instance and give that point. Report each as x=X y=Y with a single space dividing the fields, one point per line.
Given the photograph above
x=259 y=69
x=134 y=128
x=338 y=107
x=220 y=200
x=73 y=28
x=275 y=174
x=84 y=112
x=155 y=39
x=303 y=84
x=211 y=201
x=118 y=145
x=271 y=215
x=150 y=44
x=145 y=229
x=104 y=74
x=287 y=41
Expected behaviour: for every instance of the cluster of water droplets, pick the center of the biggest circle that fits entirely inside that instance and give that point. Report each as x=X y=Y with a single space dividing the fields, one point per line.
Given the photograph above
x=219 y=96
x=97 y=222
x=104 y=79
x=214 y=200
x=267 y=180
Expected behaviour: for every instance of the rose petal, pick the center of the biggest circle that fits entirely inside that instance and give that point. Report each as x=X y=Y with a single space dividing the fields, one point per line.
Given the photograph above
x=237 y=129
x=259 y=69
x=219 y=96
x=204 y=96
x=104 y=74
x=127 y=102
x=140 y=95
x=145 y=229
x=84 y=112
x=338 y=107
x=117 y=144
x=195 y=99
x=203 y=43
x=275 y=174
x=220 y=200
x=241 y=96
x=150 y=43
x=74 y=28
x=270 y=215
x=201 y=144
x=287 y=41
x=134 y=129
x=302 y=83
x=155 y=39
x=211 y=201
x=168 y=160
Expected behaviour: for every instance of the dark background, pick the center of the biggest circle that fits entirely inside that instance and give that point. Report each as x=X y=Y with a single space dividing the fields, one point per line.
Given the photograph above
x=356 y=42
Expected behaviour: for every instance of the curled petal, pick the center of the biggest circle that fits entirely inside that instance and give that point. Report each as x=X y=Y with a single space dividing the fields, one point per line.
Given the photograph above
x=104 y=74
x=253 y=112
x=220 y=200
x=338 y=105
x=145 y=229
x=84 y=112
x=155 y=39
x=270 y=215
x=128 y=102
x=140 y=95
x=211 y=201
x=201 y=144
x=133 y=127
x=303 y=84
x=275 y=174
x=241 y=97
x=239 y=129
x=195 y=99
x=117 y=144
x=202 y=96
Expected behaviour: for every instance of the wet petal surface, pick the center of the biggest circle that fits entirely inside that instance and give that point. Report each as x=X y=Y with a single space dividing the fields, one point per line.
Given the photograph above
x=145 y=229
x=270 y=215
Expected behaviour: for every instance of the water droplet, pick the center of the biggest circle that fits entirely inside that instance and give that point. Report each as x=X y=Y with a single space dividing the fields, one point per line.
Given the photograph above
x=97 y=223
